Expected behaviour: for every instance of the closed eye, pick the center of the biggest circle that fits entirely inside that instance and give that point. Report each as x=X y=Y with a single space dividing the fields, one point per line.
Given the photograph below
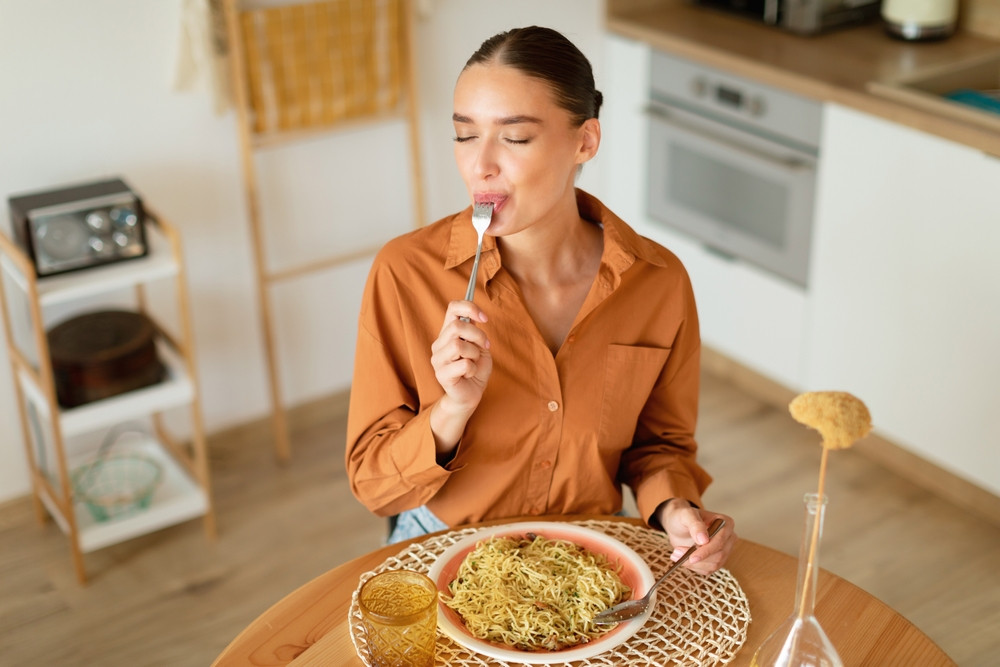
x=518 y=142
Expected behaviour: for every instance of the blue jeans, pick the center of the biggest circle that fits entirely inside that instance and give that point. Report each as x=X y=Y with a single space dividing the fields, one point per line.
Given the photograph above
x=414 y=523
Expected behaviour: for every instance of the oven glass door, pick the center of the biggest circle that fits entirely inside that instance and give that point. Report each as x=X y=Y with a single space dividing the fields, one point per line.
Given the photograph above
x=740 y=194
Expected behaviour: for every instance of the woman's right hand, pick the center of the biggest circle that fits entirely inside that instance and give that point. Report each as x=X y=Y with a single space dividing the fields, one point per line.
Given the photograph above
x=462 y=365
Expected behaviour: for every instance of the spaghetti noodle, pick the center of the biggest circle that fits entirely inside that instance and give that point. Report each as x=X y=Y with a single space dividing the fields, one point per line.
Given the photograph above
x=533 y=593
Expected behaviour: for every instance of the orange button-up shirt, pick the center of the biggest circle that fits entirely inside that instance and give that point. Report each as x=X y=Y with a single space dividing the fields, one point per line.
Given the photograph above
x=617 y=404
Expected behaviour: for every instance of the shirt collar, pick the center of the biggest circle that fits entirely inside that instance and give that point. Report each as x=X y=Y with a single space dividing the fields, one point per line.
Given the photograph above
x=622 y=245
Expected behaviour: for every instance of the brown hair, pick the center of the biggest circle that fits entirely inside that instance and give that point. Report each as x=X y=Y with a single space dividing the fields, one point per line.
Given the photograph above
x=547 y=55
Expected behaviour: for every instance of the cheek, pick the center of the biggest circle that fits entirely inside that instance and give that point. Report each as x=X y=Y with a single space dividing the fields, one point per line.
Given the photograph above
x=463 y=162
x=543 y=170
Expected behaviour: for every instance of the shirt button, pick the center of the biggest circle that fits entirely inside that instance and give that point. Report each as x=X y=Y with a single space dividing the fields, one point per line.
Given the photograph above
x=553 y=406
x=545 y=464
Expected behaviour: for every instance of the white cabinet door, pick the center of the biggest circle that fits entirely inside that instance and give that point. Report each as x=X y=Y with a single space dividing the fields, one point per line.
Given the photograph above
x=623 y=128
x=746 y=314
x=905 y=290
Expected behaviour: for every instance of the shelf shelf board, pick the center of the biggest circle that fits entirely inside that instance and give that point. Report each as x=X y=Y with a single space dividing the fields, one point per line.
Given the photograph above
x=67 y=287
x=175 y=390
x=177 y=499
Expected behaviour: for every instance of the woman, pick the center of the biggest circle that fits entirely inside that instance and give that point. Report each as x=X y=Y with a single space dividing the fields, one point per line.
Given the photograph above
x=577 y=370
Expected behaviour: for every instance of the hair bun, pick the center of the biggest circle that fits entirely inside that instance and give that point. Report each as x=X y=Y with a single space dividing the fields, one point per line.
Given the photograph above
x=598 y=101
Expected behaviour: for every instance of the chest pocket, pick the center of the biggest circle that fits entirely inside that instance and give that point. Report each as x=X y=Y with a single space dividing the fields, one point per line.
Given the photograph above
x=629 y=375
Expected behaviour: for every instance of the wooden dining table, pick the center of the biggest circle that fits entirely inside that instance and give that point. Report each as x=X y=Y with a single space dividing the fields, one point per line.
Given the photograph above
x=310 y=626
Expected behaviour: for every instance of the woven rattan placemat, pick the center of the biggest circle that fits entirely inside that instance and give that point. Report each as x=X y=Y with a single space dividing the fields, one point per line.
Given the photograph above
x=697 y=620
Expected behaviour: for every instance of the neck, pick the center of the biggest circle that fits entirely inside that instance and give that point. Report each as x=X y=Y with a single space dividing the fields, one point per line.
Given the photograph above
x=553 y=251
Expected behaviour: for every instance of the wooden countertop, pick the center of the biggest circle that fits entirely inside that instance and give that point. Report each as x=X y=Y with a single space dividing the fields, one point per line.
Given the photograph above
x=833 y=67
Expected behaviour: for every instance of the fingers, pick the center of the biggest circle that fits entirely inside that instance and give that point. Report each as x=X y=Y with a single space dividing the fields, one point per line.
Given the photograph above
x=688 y=526
x=712 y=554
x=457 y=358
x=460 y=355
x=460 y=340
x=459 y=309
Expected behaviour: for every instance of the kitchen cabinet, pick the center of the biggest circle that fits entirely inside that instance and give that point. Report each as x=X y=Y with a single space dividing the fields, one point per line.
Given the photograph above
x=904 y=306
x=747 y=314
x=903 y=303
x=58 y=439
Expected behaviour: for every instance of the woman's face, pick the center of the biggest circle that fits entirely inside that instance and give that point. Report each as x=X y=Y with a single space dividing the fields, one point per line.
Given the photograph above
x=516 y=147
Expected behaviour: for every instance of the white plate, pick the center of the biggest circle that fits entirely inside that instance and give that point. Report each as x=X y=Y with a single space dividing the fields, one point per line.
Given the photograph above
x=634 y=572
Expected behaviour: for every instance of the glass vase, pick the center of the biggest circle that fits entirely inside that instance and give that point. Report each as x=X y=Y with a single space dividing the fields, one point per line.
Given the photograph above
x=800 y=640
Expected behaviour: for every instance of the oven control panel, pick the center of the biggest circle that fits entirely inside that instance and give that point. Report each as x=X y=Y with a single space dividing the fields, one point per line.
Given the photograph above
x=717 y=94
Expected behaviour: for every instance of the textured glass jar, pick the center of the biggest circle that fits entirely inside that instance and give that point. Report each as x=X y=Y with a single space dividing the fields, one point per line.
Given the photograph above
x=399 y=615
x=800 y=641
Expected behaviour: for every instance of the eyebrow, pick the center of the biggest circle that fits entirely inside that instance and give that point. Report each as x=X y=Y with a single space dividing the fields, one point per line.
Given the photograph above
x=507 y=120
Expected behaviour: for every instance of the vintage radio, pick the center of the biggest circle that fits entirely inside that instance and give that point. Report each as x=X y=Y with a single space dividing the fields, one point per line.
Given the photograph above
x=80 y=226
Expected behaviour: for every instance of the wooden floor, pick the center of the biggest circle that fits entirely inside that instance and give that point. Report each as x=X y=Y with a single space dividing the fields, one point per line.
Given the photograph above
x=174 y=598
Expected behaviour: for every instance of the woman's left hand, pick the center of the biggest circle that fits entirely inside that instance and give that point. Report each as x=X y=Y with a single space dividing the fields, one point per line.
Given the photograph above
x=686 y=525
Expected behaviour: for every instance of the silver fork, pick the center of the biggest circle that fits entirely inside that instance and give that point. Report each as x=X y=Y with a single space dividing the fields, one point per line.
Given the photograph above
x=632 y=608
x=481 y=216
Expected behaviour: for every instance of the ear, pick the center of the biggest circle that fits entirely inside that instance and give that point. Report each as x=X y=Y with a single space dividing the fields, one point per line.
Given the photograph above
x=590 y=140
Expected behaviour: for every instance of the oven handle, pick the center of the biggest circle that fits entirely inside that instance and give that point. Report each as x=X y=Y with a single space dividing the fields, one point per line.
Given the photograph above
x=668 y=116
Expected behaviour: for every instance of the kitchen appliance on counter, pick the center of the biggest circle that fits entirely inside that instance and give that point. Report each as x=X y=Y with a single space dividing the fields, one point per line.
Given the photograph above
x=79 y=226
x=806 y=17
x=920 y=20
x=732 y=163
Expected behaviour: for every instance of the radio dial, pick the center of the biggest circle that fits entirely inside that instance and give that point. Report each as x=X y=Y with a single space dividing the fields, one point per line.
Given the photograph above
x=124 y=217
x=98 y=246
x=98 y=221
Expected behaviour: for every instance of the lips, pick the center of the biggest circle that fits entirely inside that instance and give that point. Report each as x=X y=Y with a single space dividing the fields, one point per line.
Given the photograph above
x=491 y=198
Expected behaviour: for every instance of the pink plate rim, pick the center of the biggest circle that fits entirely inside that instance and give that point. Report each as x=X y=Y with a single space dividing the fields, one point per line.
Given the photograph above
x=635 y=572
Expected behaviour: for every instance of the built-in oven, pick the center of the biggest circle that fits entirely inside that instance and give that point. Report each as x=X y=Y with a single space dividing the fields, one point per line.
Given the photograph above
x=732 y=163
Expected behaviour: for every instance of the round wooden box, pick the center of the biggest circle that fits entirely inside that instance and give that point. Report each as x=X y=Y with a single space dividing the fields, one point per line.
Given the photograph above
x=102 y=354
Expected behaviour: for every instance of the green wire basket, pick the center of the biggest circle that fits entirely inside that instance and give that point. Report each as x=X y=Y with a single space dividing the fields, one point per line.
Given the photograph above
x=116 y=485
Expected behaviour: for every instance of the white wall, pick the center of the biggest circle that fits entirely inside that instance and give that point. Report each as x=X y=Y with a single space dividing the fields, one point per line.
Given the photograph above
x=86 y=92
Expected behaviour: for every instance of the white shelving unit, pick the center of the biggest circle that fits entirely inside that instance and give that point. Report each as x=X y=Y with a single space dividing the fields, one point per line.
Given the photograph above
x=184 y=490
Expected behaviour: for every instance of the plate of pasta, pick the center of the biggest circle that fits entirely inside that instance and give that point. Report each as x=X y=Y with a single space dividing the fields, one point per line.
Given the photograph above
x=527 y=592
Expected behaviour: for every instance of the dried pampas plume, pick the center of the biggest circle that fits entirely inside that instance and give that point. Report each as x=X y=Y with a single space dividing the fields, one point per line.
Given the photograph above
x=842 y=419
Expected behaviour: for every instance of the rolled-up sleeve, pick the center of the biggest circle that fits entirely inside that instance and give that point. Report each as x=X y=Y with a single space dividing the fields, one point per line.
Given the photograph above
x=390 y=457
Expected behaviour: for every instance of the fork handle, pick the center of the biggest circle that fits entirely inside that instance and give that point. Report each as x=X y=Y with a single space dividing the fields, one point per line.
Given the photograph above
x=471 y=290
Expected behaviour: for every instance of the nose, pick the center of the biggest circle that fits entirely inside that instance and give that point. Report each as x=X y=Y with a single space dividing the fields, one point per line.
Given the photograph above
x=485 y=164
